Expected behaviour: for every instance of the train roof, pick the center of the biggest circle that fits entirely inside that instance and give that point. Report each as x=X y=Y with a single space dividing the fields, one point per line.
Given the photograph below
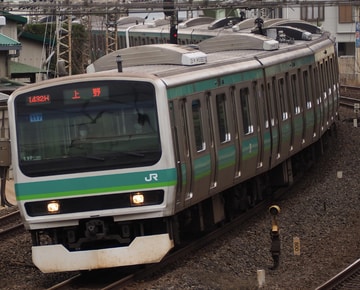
x=172 y=54
x=276 y=37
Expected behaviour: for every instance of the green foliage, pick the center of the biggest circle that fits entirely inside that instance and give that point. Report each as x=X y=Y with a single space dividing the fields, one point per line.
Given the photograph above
x=78 y=46
x=39 y=29
x=79 y=41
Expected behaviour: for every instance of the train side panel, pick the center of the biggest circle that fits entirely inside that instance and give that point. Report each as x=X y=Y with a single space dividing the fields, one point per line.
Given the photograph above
x=269 y=121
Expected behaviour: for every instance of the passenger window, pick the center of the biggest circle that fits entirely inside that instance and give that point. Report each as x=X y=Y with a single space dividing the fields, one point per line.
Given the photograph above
x=197 y=121
x=245 y=111
x=221 y=114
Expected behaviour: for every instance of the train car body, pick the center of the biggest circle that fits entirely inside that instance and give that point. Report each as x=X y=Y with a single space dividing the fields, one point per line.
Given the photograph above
x=116 y=167
x=134 y=31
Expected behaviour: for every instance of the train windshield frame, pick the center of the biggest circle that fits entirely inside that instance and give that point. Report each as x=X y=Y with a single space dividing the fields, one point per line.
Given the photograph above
x=87 y=126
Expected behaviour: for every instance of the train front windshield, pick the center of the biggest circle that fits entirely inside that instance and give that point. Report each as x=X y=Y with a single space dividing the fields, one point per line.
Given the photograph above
x=87 y=126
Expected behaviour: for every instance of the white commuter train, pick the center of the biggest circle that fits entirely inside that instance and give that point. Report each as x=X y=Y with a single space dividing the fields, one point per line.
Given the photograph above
x=116 y=167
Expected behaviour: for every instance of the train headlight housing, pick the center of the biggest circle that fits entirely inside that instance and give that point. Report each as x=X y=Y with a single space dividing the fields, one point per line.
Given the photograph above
x=137 y=198
x=53 y=207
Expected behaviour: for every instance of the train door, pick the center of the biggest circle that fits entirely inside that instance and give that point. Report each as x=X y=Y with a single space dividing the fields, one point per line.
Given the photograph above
x=237 y=143
x=331 y=87
x=245 y=117
x=223 y=138
x=201 y=147
x=309 y=108
x=325 y=93
x=336 y=86
x=264 y=133
x=179 y=126
x=274 y=121
x=284 y=117
x=318 y=102
x=296 y=111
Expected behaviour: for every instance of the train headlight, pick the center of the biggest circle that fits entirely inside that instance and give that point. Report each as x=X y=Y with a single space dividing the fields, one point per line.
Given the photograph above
x=137 y=198
x=53 y=207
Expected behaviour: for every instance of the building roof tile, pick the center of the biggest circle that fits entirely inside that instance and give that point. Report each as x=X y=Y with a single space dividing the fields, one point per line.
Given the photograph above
x=7 y=43
x=21 y=68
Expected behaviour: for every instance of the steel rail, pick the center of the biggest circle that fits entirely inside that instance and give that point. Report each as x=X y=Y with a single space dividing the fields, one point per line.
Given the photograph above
x=344 y=279
x=7 y=219
x=348 y=101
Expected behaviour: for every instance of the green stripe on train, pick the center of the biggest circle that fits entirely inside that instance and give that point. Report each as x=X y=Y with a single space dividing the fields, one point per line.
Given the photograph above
x=284 y=66
x=236 y=78
x=227 y=157
x=202 y=166
x=95 y=184
x=206 y=85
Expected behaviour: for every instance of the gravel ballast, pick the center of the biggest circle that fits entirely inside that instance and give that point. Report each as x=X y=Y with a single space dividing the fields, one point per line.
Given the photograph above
x=322 y=211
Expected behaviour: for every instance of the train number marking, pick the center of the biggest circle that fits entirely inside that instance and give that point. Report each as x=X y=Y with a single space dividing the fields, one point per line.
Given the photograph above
x=152 y=176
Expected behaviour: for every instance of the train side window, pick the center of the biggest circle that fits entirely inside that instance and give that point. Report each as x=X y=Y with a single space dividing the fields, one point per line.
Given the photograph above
x=245 y=111
x=222 y=118
x=307 y=90
x=197 y=123
x=282 y=98
x=294 y=93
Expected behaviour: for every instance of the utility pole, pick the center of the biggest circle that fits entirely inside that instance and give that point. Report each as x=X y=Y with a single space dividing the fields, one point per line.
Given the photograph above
x=63 y=45
x=111 y=40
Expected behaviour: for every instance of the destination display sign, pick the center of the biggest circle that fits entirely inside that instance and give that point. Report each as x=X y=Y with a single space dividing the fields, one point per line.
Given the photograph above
x=81 y=95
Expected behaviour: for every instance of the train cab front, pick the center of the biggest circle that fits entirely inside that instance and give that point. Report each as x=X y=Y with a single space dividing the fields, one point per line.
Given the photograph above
x=93 y=169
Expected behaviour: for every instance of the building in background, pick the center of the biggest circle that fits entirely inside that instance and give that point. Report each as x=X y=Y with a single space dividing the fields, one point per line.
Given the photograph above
x=21 y=56
x=338 y=17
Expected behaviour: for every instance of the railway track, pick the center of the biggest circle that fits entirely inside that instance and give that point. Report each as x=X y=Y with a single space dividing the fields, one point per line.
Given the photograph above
x=350 y=91
x=349 y=102
x=141 y=272
x=345 y=280
x=350 y=96
x=10 y=223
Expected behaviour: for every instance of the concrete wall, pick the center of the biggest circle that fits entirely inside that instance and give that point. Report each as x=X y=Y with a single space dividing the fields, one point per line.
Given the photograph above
x=32 y=53
x=348 y=76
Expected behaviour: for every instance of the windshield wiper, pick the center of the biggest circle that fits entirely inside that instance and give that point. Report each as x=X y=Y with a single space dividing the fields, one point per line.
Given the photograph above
x=91 y=157
x=136 y=154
